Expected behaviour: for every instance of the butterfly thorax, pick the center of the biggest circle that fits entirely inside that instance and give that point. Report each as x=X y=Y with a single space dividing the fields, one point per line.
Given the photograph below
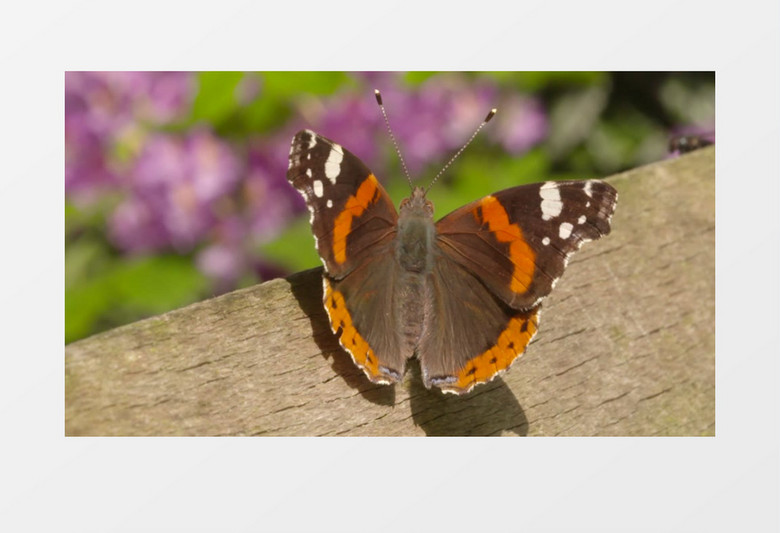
x=416 y=233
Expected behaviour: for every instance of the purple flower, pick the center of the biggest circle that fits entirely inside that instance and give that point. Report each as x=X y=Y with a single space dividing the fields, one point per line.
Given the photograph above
x=353 y=120
x=463 y=104
x=168 y=95
x=270 y=200
x=104 y=105
x=520 y=124
x=92 y=115
x=429 y=122
x=88 y=170
x=158 y=97
x=175 y=191
x=223 y=263
x=102 y=110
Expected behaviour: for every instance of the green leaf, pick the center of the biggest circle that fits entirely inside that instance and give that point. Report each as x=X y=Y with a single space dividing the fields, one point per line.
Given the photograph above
x=280 y=89
x=536 y=81
x=126 y=291
x=485 y=173
x=158 y=284
x=284 y=85
x=418 y=77
x=216 y=99
x=82 y=257
x=84 y=305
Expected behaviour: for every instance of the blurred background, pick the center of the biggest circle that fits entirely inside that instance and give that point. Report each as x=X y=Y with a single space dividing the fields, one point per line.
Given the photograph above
x=175 y=186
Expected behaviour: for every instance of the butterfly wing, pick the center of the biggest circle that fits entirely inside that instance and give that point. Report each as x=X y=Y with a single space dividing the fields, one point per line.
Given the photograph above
x=517 y=242
x=342 y=195
x=470 y=335
x=354 y=223
x=359 y=308
x=497 y=258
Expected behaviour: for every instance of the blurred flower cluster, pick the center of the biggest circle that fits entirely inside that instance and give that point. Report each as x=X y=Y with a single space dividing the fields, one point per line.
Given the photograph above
x=191 y=190
x=187 y=170
x=103 y=109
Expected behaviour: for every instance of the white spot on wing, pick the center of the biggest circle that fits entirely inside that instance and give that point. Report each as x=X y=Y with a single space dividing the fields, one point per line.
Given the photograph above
x=564 y=231
x=551 y=200
x=330 y=203
x=333 y=164
x=317 y=188
x=546 y=241
x=587 y=189
x=581 y=220
x=312 y=139
x=308 y=172
x=311 y=216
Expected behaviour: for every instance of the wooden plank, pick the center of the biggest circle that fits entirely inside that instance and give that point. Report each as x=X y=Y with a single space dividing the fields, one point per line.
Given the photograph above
x=626 y=346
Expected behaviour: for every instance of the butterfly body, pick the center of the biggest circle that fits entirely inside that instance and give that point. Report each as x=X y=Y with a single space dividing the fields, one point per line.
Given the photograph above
x=414 y=259
x=462 y=294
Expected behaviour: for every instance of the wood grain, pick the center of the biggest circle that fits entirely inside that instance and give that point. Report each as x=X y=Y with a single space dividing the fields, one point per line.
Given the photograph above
x=626 y=346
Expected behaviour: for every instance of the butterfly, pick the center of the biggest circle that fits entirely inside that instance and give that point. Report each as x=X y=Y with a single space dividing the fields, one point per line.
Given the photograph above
x=462 y=294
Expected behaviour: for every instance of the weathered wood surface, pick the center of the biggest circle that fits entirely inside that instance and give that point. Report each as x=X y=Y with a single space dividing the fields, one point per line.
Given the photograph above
x=626 y=346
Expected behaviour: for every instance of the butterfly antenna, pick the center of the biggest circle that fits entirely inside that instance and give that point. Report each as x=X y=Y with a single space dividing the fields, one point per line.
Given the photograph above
x=392 y=137
x=487 y=119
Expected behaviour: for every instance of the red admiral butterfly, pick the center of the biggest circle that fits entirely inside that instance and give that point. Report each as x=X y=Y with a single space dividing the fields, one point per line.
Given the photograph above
x=462 y=294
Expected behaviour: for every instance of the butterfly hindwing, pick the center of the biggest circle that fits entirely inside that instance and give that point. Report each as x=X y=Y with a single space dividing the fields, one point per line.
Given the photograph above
x=518 y=241
x=471 y=335
x=342 y=195
x=358 y=307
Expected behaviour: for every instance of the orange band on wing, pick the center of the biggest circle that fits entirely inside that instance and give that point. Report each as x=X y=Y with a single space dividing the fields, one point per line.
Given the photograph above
x=495 y=216
x=365 y=195
x=510 y=345
x=350 y=339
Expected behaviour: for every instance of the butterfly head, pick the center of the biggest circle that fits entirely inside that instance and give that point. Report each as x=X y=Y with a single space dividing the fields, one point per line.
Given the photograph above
x=417 y=204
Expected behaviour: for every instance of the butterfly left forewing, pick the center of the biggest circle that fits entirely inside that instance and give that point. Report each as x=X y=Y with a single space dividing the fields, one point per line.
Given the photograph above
x=518 y=241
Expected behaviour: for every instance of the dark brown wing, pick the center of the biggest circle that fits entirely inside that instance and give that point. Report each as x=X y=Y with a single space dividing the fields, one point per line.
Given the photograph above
x=518 y=241
x=350 y=211
x=470 y=335
x=355 y=224
x=360 y=308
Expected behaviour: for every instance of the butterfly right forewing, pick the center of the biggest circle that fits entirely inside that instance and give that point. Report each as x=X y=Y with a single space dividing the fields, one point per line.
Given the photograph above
x=518 y=241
